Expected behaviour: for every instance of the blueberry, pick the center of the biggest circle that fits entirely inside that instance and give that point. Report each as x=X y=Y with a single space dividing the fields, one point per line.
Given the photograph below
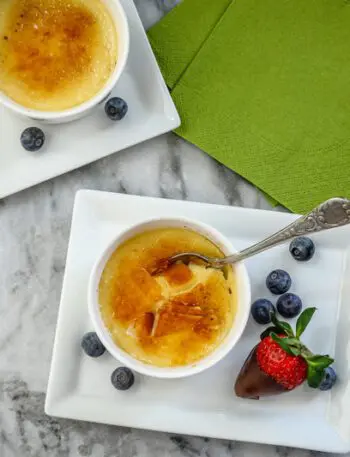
x=32 y=139
x=289 y=305
x=278 y=282
x=116 y=108
x=329 y=379
x=262 y=311
x=122 y=378
x=302 y=248
x=92 y=345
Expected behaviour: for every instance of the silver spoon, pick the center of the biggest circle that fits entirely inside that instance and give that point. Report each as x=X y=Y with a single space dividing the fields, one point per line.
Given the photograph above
x=332 y=213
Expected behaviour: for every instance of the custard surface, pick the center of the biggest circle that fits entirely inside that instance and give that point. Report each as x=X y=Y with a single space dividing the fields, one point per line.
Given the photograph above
x=167 y=319
x=55 y=54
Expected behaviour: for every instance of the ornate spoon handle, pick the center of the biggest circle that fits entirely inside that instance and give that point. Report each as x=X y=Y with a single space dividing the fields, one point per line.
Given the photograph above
x=330 y=214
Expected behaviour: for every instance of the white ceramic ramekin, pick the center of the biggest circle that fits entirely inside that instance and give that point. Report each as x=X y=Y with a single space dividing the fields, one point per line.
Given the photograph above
x=58 y=117
x=240 y=320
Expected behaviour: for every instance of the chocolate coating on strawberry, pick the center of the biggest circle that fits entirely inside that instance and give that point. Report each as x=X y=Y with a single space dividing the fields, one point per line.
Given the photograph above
x=253 y=383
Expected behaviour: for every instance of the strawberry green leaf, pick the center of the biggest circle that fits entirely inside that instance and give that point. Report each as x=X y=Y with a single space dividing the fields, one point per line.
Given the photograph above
x=305 y=352
x=292 y=350
x=293 y=342
x=304 y=320
x=283 y=327
x=268 y=331
x=319 y=362
x=316 y=365
x=314 y=376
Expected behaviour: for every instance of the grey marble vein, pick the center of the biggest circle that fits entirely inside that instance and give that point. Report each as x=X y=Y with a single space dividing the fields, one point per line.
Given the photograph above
x=34 y=232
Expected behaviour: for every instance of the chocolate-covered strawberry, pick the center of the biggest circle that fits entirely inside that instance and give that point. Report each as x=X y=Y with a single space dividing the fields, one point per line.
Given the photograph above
x=281 y=362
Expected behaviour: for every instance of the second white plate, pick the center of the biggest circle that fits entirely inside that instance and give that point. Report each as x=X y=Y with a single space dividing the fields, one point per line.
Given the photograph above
x=69 y=146
x=205 y=404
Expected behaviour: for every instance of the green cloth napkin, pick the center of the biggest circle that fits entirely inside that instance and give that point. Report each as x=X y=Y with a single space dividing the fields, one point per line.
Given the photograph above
x=177 y=39
x=266 y=92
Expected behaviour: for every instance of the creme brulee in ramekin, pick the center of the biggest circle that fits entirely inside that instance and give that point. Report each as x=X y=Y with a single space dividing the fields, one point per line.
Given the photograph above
x=174 y=322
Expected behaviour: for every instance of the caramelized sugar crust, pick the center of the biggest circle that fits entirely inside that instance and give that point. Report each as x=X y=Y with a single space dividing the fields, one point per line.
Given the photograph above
x=51 y=47
x=171 y=318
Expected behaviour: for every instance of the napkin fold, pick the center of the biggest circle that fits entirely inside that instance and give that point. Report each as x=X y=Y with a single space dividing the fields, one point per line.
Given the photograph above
x=177 y=39
x=263 y=87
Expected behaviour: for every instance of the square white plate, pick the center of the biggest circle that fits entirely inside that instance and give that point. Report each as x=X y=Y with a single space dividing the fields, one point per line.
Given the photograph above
x=151 y=113
x=79 y=387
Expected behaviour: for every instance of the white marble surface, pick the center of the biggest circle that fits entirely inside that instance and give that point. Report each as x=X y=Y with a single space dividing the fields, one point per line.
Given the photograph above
x=34 y=231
